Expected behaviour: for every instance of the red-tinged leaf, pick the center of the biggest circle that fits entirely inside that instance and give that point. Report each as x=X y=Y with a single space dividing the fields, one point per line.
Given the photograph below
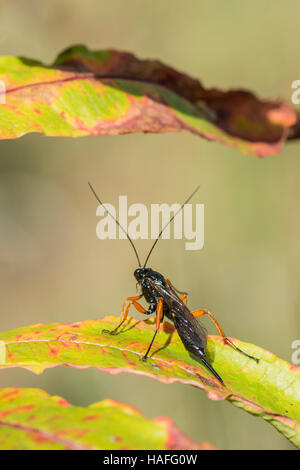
x=270 y=389
x=110 y=92
x=32 y=419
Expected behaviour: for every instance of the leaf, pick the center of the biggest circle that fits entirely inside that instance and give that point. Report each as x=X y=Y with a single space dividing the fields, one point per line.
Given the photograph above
x=110 y=92
x=32 y=419
x=270 y=389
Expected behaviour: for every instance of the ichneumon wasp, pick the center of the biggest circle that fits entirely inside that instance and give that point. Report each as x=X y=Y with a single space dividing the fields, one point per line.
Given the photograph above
x=164 y=299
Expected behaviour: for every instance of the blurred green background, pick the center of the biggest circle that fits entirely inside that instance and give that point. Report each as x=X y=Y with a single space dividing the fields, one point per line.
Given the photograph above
x=52 y=266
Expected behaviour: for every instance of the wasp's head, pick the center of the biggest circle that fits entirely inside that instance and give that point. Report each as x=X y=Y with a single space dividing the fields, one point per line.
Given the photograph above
x=140 y=274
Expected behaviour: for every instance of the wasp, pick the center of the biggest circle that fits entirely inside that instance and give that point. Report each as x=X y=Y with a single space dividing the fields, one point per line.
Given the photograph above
x=167 y=301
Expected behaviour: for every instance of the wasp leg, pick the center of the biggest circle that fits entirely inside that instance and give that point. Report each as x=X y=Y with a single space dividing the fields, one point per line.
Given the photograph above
x=199 y=313
x=183 y=295
x=159 y=317
x=125 y=310
x=171 y=285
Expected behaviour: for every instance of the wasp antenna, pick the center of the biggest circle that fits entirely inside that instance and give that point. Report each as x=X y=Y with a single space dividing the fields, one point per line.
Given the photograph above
x=172 y=218
x=117 y=222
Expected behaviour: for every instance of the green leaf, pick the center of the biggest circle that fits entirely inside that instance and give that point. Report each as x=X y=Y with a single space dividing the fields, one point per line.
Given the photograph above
x=110 y=92
x=32 y=419
x=270 y=389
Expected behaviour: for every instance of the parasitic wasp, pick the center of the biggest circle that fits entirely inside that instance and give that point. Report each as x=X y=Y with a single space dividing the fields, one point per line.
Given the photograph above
x=164 y=299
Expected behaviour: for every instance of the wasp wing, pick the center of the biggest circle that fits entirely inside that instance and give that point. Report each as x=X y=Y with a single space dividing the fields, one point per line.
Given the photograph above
x=192 y=333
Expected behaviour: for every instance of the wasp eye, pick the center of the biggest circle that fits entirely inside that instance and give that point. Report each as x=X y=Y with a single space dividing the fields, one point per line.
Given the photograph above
x=139 y=274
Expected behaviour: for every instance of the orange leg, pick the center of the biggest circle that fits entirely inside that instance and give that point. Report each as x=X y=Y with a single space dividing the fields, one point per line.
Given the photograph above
x=199 y=313
x=159 y=315
x=125 y=309
x=183 y=295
